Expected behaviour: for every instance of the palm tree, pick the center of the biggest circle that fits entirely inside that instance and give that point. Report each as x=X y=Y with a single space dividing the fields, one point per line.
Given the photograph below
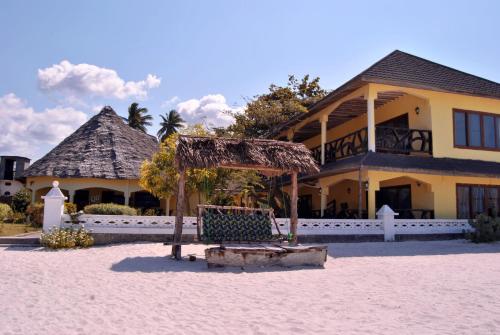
x=138 y=117
x=169 y=125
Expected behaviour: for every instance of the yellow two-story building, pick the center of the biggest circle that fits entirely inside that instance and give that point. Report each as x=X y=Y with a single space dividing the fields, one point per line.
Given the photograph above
x=418 y=136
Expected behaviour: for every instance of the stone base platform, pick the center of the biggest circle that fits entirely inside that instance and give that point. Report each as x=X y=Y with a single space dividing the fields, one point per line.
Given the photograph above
x=266 y=255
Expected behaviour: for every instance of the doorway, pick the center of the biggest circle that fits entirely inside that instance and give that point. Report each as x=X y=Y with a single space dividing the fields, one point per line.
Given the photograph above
x=396 y=197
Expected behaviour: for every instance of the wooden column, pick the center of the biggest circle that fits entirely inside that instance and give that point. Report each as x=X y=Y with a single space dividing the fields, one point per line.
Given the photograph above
x=324 y=122
x=179 y=216
x=360 y=195
x=294 y=216
x=370 y=116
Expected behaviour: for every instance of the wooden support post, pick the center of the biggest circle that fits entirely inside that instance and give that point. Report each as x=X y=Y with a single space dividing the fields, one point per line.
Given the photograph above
x=370 y=115
x=360 y=195
x=294 y=217
x=324 y=122
x=179 y=216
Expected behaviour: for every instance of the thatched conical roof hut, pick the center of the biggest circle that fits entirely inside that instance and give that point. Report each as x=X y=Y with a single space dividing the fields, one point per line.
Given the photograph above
x=104 y=147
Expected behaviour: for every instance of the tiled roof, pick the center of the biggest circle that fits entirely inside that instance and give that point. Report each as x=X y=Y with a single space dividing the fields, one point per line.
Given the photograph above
x=407 y=163
x=402 y=69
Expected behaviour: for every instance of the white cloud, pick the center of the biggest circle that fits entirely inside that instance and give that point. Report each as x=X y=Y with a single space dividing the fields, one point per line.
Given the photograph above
x=170 y=102
x=26 y=132
x=211 y=110
x=77 y=80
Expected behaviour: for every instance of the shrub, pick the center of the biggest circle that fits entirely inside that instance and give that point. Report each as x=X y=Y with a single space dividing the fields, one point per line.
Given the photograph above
x=109 y=209
x=35 y=214
x=60 y=238
x=69 y=208
x=17 y=217
x=5 y=212
x=486 y=229
x=21 y=200
x=152 y=212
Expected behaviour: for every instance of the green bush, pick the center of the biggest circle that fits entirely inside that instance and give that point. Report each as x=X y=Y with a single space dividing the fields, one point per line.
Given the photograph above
x=69 y=208
x=151 y=212
x=109 y=209
x=21 y=200
x=67 y=238
x=17 y=217
x=35 y=214
x=5 y=212
x=486 y=229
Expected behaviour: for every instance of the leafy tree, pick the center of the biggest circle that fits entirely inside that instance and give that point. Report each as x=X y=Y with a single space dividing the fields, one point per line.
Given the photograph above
x=169 y=125
x=138 y=117
x=280 y=104
x=159 y=175
x=21 y=200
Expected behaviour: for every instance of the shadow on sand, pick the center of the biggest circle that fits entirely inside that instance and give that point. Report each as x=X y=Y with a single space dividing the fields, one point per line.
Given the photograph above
x=166 y=264
x=410 y=248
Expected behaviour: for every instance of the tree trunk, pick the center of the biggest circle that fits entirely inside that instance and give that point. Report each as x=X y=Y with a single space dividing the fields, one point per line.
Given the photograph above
x=294 y=216
x=179 y=216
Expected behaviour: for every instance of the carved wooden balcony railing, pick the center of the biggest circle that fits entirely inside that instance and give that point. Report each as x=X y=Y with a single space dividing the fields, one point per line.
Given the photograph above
x=403 y=140
x=388 y=139
x=350 y=145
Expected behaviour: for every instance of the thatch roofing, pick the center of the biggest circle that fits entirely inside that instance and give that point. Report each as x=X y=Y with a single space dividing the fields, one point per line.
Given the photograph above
x=211 y=152
x=104 y=147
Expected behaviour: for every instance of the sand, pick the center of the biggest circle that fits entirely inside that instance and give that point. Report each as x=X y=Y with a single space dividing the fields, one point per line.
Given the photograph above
x=447 y=287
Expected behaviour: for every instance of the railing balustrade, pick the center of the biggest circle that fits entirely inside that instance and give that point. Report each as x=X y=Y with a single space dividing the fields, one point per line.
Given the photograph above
x=388 y=139
x=403 y=140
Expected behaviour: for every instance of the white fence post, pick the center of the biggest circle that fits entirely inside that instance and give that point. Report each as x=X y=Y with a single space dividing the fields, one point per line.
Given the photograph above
x=386 y=214
x=53 y=207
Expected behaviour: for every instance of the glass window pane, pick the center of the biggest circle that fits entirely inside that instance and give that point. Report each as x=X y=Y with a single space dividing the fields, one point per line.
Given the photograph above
x=463 y=202
x=477 y=200
x=492 y=201
x=489 y=131
x=498 y=131
x=460 y=135
x=473 y=122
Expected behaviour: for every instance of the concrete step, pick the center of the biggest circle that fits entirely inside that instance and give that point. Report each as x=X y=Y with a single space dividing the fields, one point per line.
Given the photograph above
x=19 y=240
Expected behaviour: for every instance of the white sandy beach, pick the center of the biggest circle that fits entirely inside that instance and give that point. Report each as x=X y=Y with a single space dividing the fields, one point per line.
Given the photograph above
x=448 y=287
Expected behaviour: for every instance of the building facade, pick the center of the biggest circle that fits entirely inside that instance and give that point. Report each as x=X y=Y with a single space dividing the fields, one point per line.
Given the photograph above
x=11 y=171
x=416 y=135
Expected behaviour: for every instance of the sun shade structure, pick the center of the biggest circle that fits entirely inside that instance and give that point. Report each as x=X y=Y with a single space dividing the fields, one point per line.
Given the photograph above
x=258 y=154
x=268 y=156
x=104 y=147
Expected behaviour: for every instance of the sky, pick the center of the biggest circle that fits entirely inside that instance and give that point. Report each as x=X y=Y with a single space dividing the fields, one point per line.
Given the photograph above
x=61 y=61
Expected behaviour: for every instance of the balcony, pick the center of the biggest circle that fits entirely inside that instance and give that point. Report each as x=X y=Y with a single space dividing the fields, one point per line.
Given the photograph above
x=387 y=139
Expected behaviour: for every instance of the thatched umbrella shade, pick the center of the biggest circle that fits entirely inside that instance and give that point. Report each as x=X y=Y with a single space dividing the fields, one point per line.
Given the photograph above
x=268 y=156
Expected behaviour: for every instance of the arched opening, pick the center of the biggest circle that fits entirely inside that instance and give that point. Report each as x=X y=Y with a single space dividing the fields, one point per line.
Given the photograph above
x=411 y=198
x=97 y=195
x=43 y=191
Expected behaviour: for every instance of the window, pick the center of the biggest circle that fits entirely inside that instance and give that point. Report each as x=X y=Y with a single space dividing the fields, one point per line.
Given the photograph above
x=489 y=131
x=461 y=129
x=476 y=199
x=476 y=130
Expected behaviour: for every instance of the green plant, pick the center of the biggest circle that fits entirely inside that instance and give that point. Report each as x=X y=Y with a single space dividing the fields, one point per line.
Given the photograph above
x=17 y=217
x=486 y=229
x=35 y=214
x=60 y=238
x=21 y=200
x=69 y=208
x=5 y=212
x=109 y=209
x=151 y=212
